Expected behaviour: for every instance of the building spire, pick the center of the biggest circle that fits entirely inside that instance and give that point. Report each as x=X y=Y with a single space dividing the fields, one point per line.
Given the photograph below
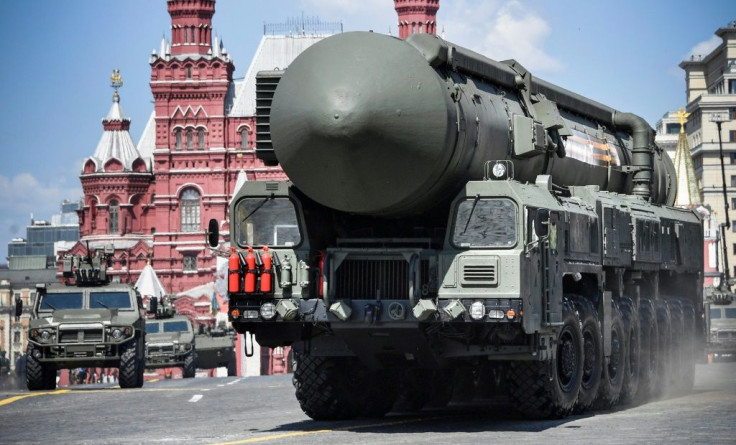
x=116 y=81
x=688 y=192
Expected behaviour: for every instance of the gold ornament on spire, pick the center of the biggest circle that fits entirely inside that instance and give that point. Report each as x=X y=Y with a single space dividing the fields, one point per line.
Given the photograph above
x=116 y=81
x=682 y=116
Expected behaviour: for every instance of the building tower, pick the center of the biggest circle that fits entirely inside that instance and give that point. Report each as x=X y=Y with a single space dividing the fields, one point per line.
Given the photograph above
x=417 y=16
x=711 y=96
x=116 y=181
x=190 y=80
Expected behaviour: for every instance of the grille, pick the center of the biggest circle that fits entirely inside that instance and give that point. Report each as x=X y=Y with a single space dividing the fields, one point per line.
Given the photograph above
x=80 y=336
x=160 y=349
x=266 y=83
x=726 y=335
x=479 y=273
x=362 y=279
x=478 y=270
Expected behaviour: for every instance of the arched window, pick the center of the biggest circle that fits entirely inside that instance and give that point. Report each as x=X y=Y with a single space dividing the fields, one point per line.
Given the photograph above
x=189 y=72
x=178 y=139
x=244 y=139
x=190 y=211
x=200 y=138
x=190 y=140
x=113 y=226
x=186 y=35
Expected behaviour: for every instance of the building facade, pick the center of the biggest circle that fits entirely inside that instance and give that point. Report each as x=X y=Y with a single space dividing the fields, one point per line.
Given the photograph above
x=711 y=96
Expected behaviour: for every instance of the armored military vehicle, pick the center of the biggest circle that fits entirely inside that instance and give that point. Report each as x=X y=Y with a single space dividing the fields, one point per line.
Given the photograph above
x=216 y=349
x=170 y=343
x=85 y=322
x=722 y=329
x=452 y=223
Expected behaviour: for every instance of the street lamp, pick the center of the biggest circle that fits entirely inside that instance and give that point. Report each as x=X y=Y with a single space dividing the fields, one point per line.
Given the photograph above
x=717 y=119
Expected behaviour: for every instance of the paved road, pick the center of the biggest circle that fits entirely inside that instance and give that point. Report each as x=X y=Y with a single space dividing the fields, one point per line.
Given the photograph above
x=263 y=410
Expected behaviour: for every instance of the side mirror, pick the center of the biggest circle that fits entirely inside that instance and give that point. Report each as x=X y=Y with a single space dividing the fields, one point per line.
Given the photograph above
x=541 y=223
x=213 y=233
x=18 y=308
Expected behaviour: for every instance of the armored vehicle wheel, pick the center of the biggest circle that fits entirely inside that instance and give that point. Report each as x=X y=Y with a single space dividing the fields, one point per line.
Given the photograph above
x=189 y=369
x=131 y=366
x=664 y=340
x=592 y=353
x=688 y=347
x=379 y=393
x=633 y=348
x=612 y=377
x=324 y=389
x=38 y=375
x=549 y=389
x=649 y=363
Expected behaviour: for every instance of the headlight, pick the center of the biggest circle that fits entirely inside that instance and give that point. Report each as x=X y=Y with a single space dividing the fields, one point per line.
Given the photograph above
x=117 y=334
x=499 y=170
x=268 y=311
x=478 y=309
x=45 y=335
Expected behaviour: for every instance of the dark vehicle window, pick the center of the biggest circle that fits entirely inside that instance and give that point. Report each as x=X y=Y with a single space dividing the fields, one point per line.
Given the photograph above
x=715 y=314
x=151 y=328
x=175 y=326
x=485 y=223
x=56 y=301
x=731 y=313
x=109 y=300
x=267 y=221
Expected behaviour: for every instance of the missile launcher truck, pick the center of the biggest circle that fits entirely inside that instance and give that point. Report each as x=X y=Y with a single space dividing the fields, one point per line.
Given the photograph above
x=87 y=321
x=451 y=219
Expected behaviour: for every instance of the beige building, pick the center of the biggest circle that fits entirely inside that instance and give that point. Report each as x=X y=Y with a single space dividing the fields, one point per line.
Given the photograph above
x=668 y=130
x=711 y=95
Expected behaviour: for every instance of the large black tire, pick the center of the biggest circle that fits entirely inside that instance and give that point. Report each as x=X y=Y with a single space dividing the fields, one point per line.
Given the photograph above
x=664 y=327
x=131 y=366
x=378 y=390
x=549 y=389
x=590 y=328
x=633 y=348
x=413 y=390
x=190 y=366
x=613 y=369
x=689 y=351
x=38 y=375
x=677 y=331
x=649 y=369
x=324 y=389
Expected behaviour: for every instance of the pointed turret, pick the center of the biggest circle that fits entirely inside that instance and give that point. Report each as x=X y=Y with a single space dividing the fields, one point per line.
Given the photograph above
x=115 y=145
x=688 y=192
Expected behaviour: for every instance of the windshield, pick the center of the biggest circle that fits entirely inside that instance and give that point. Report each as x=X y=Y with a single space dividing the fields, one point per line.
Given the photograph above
x=56 y=301
x=485 y=223
x=151 y=328
x=267 y=221
x=715 y=314
x=731 y=313
x=109 y=300
x=175 y=326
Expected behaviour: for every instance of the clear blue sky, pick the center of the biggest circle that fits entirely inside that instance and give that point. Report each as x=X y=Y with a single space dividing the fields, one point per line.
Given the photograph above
x=58 y=56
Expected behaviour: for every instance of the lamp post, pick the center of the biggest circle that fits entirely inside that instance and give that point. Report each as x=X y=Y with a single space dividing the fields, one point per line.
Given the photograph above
x=717 y=119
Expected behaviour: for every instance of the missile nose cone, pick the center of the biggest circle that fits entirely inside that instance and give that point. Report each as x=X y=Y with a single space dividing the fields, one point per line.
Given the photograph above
x=360 y=123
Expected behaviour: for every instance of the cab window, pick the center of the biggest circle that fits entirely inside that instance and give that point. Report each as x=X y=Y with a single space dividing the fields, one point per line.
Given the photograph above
x=485 y=223
x=266 y=221
x=731 y=313
x=61 y=300
x=715 y=314
x=152 y=328
x=109 y=300
x=175 y=326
